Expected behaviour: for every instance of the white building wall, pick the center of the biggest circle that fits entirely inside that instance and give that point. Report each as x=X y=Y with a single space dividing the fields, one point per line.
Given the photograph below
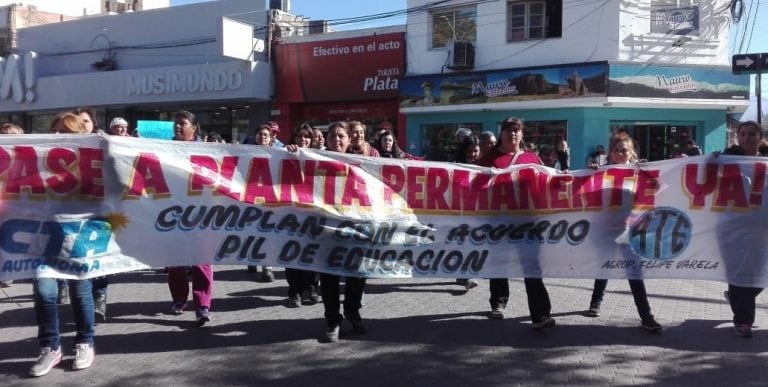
x=710 y=47
x=591 y=31
x=186 y=34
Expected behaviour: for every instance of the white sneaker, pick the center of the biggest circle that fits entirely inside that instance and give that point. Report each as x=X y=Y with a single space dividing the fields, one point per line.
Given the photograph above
x=83 y=356
x=45 y=362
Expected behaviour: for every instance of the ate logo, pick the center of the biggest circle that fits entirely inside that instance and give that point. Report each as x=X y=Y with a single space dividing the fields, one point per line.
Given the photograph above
x=661 y=233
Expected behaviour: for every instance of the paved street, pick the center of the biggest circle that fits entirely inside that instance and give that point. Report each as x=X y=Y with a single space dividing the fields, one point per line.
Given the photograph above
x=423 y=332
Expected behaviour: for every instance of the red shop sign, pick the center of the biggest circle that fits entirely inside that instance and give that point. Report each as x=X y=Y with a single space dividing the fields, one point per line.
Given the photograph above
x=364 y=68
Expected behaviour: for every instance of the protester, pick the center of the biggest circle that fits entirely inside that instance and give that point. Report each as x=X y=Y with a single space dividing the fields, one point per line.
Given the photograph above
x=358 y=145
x=66 y=122
x=622 y=151
x=46 y=295
x=215 y=137
x=384 y=127
x=264 y=136
x=274 y=131
x=118 y=127
x=461 y=134
x=508 y=152
x=598 y=158
x=689 y=148
x=319 y=140
x=302 y=284
x=487 y=142
x=9 y=128
x=186 y=128
x=88 y=115
x=388 y=148
x=468 y=153
x=563 y=153
x=339 y=141
x=749 y=135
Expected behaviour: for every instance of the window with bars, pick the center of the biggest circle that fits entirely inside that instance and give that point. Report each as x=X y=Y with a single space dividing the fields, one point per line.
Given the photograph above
x=454 y=26
x=534 y=19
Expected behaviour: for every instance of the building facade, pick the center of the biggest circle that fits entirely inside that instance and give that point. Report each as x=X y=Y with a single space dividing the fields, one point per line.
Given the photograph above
x=573 y=70
x=341 y=76
x=144 y=66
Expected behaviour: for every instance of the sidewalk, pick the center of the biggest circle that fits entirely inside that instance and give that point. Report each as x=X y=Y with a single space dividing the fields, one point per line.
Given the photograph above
x=422 y=332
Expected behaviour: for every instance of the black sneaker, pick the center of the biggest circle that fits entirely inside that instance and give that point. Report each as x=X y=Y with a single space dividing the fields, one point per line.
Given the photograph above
x=544 y=322
x=331 y=334
x=594 y=310
x=496 y=313
x=357 y=322
x=267 y=275
x=650 y=325
x=294 y=301
x=743 y=330
x=310 y=298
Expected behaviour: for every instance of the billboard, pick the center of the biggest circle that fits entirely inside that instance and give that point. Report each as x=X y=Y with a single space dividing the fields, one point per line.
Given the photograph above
x=361 y=68
x=568 y=81
x=676 y=82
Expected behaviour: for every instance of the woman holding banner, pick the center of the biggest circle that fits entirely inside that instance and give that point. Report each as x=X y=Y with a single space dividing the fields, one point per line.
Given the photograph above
x=622 y=151
x=302 y=284
x=742 y=298
x=338 y=140
x=264 y=136
x=46 y=292
x=358 y=145
x=185 y=128
x=509 y=151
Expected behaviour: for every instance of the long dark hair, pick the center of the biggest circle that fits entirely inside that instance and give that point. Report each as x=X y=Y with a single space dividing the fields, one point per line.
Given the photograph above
x=304 y=131
x=395 y=153
x=90 y=112
x=461 y=153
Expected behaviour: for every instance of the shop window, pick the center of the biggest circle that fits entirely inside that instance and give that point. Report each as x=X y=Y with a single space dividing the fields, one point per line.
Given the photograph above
x=657 y=141
x=529 y=20
x=459 y=25
x=439 y=141
x=543 y=136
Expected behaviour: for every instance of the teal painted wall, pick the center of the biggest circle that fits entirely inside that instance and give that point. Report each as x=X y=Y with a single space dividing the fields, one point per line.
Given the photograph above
x=587 y=127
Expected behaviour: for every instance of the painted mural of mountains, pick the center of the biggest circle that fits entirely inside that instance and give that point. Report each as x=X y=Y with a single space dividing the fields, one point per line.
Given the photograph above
x=649 y=86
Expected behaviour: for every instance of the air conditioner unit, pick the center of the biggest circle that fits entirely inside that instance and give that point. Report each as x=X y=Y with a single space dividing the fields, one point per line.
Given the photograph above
x=463 y=56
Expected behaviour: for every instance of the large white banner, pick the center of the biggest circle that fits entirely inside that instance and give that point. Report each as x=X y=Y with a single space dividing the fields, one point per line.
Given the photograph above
x=86 y=206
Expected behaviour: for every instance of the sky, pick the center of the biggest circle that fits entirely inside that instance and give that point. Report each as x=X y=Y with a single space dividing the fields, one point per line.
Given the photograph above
x=757 y=44
x=338 y=9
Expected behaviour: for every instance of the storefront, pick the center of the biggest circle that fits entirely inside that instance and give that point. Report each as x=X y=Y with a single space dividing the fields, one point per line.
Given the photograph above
x=123 y=73
x=221 y=95
x=322 y=80
x=584 y=104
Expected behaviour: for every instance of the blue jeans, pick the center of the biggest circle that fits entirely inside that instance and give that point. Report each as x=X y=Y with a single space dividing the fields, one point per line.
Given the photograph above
x=47 y=311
